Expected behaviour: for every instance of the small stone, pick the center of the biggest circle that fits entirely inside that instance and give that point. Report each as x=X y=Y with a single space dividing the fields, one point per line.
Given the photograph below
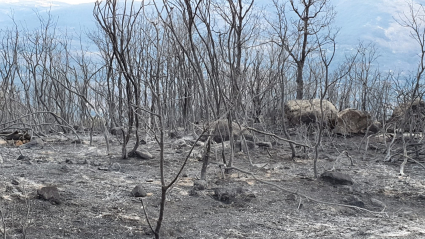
x=15 y=182
x=1 y=160
x=142 y=154
x=142 y=141
x=174 y=134
x=50 y=194
x=200 y=185
x=96 y=163
x=377 y=203
x=138 y=191
x=354 y=201
x=10 y=189
x=77 y=141
x=337 y=178
x=115 y=167
x=291 y=197
x=65 y=168
x=18 y=143
x=149 y=180
x=69 y=161
x=23 y=158
x=3 y=142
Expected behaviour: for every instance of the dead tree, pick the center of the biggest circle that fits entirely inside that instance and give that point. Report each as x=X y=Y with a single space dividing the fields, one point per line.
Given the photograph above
x=312 y=17
x=119 y=23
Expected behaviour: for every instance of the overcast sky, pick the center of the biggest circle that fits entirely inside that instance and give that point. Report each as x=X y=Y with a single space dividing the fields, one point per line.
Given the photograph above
x=359 y=20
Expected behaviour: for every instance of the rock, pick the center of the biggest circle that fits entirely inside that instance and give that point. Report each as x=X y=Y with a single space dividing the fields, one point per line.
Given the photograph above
x=141 y=154
x=138 y=191
x=77 y=141
x=95 y=163
x=1 y=159
x=174 y=134
x=352 y=121
x=337 y=178
x=116 y=167
x=407 y=113
x=19 y=143
x=354 y=201
x=65 y=169
x=219 y=131
x=240 y=145
x=116 y=130
x=18 y=136
x=69 y=161
x=196 y=154
x=308 y=112
x=37 y=142
x=375 y=127
x=142 y=141
x=264 y=144
x=377 y=203
x=3 y=142
x=228 y=195
x=23 y=158
x=196 y=143
x=200 y=185
x=291 y=197
x=180 y=143
x=15 y=182
x=50 y=194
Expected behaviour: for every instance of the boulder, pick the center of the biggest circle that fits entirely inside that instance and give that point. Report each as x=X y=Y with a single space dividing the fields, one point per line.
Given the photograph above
x=337 y=178
x=308 y=112
x=116 y=130
x=409 y=116
x=352 y=121
x=141 y=154
x=200 y=185
x=50 y=194
x=37 y=142
x=138 y=191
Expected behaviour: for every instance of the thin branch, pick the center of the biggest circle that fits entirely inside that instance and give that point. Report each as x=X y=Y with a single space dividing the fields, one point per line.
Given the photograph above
x=302 y=195
x=277 y=137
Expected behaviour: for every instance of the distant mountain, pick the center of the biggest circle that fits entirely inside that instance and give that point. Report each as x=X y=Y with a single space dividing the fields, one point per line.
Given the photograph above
x=359 y=20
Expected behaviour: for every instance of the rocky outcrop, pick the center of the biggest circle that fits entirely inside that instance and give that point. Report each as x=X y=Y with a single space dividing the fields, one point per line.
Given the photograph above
x=352 y=121
x=308 y=112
